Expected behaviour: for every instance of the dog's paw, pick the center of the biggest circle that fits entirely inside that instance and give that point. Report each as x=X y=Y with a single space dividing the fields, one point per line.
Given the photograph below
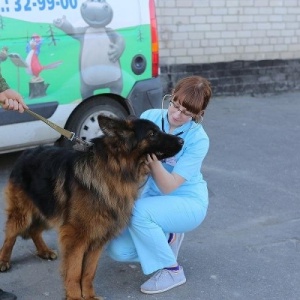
x=49 y=254
x=4 y=266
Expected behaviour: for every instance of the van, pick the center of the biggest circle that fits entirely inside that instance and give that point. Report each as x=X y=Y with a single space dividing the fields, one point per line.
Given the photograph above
x=72 y=60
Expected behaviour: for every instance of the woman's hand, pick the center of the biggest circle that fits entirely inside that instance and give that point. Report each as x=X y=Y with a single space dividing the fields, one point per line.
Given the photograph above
x=166 y=182
x=152 y=161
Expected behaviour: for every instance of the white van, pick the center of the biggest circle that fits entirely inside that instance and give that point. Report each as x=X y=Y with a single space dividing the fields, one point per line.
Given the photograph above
x=74 y=59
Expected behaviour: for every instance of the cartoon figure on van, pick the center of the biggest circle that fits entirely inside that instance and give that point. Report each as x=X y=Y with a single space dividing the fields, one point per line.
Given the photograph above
x=34 y=66
x=37 y=86
x=101 y=48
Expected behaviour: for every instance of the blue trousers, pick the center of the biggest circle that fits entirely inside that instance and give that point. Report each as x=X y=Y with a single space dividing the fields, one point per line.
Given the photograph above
x=145 y=240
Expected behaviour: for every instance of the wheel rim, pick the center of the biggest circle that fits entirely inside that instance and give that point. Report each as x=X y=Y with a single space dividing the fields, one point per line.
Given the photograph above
x=90 y=127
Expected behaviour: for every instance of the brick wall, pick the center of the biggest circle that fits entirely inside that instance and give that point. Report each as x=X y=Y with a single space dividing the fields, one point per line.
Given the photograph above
x=195 y=34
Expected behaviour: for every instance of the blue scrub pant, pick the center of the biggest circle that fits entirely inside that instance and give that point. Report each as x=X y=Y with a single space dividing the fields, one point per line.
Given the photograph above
x=145 y=240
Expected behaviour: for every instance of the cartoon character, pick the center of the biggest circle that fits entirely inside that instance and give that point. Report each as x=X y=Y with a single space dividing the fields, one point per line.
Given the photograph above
x=101 y=48
x=34 y=66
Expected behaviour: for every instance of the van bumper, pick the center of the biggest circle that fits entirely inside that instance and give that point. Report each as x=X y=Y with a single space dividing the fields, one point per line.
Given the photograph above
x=145 y=95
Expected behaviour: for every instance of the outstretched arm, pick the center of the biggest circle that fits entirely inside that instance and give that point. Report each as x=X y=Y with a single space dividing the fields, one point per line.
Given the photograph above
x=68 y=28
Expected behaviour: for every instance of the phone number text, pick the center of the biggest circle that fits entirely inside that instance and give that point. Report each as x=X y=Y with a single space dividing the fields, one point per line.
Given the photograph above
x=29 y=5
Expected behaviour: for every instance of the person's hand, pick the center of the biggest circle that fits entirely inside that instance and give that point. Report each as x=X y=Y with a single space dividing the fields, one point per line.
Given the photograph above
x=12 y=100
x=152 y=161
x=166 y=182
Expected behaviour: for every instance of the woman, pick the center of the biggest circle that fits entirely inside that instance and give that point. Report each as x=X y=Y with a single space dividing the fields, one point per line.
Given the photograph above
x=175 y=197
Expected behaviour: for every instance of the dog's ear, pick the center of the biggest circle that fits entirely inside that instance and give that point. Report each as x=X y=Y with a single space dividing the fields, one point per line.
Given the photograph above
x=111 y=126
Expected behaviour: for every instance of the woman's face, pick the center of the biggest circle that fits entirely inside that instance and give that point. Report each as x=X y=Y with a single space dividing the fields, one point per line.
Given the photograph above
x=178 y=115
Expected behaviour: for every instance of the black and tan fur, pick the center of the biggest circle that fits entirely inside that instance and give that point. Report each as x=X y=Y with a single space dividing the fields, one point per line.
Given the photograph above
x=87 y=196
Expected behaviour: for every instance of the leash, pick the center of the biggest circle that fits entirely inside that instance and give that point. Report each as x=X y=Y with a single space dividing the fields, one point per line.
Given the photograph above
x=66 y=133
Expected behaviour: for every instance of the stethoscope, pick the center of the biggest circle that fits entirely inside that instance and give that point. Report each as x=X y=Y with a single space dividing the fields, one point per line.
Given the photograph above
x=163 y=120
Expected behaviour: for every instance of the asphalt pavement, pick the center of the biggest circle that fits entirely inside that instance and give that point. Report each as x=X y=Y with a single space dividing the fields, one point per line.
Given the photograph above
x=247 y=248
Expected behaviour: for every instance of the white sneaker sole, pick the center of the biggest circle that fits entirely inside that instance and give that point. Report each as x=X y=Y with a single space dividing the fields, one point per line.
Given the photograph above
x=164 y=290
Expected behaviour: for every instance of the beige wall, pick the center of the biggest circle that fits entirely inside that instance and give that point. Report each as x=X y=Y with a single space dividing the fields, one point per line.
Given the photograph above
x=207 y=31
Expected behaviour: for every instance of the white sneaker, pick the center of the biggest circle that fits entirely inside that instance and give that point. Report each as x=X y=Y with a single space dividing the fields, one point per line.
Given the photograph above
x=163 y=280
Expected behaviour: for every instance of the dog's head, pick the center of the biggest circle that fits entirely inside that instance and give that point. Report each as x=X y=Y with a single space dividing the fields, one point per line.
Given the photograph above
x=140 y=136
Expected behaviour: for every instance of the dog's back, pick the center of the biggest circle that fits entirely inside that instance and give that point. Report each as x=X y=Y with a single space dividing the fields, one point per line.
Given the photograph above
x=36 y=173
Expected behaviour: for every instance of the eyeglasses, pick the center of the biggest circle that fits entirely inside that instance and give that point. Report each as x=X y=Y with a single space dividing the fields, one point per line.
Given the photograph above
x=177 y=106
x=169 y=97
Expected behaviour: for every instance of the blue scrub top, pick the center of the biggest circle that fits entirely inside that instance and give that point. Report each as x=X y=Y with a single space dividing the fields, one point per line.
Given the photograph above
x=187 y=163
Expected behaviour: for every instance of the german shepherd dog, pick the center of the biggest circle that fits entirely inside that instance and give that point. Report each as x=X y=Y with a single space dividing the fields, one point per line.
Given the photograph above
x=87 y=196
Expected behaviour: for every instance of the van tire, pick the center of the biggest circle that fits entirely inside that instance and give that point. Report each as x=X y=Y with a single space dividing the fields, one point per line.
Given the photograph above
x=83 y=122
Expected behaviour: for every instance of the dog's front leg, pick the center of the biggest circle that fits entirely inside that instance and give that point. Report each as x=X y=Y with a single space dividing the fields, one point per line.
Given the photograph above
x=90 y=262
x=72 y=252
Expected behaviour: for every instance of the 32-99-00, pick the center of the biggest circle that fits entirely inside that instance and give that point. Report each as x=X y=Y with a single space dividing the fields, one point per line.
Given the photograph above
x=29 y=5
